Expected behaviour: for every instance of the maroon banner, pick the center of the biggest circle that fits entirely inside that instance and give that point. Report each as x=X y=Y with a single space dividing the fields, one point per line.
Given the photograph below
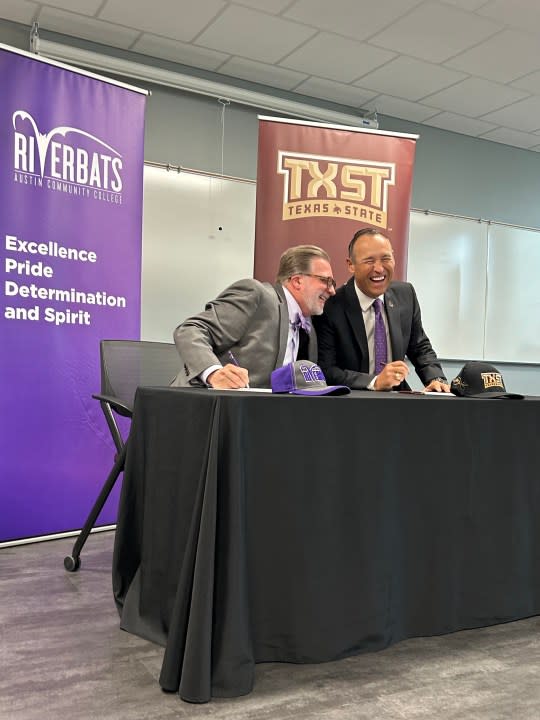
x=319 y=184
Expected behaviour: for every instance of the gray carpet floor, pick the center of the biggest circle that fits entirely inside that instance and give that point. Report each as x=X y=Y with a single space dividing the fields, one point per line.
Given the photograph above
x=63 y=657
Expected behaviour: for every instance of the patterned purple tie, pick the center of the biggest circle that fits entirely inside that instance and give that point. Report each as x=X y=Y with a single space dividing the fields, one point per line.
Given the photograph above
x=381 y=357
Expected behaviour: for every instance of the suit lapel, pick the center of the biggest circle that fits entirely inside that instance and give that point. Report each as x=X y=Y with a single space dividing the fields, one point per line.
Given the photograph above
x=283 y=312
x=353 y=311
x=312 y=347
x=394 y=324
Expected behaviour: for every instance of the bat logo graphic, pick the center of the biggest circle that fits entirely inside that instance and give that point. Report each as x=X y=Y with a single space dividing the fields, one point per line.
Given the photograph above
x=43 y=140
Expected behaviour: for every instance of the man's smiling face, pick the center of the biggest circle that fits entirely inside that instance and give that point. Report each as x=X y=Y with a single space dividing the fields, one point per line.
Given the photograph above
x=372 y=264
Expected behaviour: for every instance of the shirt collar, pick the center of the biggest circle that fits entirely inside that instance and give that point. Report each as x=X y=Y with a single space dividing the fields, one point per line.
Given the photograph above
x=365 y=300
x=295 y=314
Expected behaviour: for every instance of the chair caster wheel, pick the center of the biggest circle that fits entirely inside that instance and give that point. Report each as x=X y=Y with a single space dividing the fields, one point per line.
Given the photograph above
x=72 y=564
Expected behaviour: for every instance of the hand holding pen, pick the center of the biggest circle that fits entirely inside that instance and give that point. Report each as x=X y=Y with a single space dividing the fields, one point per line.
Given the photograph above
x=237 y=364
x=230 y=376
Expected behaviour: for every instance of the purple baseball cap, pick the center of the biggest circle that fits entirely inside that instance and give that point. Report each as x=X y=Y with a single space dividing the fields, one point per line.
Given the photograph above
x=304 y=378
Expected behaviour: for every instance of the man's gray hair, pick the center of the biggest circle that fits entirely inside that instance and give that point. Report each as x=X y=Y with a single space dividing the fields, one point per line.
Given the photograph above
x=297 y=260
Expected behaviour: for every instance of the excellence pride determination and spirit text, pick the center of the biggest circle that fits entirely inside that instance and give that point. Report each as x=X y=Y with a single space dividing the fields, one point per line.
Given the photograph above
x=28 y=268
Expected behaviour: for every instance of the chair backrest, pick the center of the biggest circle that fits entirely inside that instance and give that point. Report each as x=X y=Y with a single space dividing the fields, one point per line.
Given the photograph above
x=126 y=364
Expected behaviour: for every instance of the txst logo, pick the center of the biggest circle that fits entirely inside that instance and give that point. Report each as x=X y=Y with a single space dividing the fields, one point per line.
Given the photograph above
x=312 y=373
x=492 y=379
x=317 y=185
x=56 y=161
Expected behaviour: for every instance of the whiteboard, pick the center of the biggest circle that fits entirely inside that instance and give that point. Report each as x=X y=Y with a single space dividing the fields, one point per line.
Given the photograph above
x=447 y=264
x=513 y=308
x=198 y=237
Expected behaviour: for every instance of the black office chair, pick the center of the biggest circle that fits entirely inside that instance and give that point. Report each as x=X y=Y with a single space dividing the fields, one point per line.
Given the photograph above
x=125 y=365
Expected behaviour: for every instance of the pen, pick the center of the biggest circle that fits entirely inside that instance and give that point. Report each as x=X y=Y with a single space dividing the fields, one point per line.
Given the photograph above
x=235 y=362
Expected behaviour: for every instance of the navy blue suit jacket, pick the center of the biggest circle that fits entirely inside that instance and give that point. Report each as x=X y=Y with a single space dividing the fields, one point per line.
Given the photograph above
x=341 y=335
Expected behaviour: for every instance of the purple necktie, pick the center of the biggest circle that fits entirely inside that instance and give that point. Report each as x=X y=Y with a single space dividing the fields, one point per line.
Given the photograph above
x=381 y=356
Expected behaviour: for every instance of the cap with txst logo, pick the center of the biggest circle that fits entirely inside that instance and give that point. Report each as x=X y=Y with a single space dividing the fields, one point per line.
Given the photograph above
x=304 y=378
x=480 y=380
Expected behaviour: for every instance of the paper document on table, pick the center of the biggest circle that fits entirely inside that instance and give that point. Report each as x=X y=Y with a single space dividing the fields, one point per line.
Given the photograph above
x=245 y=389
x=431 y=393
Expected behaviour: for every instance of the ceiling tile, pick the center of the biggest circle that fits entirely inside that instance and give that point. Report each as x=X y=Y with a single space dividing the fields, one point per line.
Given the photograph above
x=409 y=78
x=386 y=105
x=335 y=92
x=254 y=35
x=466 y=4
x=459 y=124
x=355 y=18
x=184 y=53
x=524 y=14
x=18 y=11
x=523 y=115
x=271 y=6
x=85 y=27
x=530 y=82
x=261 y=73
x=502 y=58
x=511 y=137
x=84 y=7
x=474 y=96
x=344 y=63
x=163 y=17
x=435 y=32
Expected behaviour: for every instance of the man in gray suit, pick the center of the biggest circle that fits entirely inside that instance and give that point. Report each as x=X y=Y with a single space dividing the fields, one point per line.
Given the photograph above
x=252 y=328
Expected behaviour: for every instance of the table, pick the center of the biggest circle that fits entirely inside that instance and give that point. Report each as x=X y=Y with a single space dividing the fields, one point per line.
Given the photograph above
x=256 y=527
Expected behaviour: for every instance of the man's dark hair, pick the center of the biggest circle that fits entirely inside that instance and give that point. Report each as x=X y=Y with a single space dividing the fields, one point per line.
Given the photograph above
x=361 y=233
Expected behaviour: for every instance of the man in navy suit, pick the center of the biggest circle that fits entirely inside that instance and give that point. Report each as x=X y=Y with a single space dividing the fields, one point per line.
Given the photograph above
x=346 y=330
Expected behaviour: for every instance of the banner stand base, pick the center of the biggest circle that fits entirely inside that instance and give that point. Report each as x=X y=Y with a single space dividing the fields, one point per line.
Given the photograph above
x=55 y=536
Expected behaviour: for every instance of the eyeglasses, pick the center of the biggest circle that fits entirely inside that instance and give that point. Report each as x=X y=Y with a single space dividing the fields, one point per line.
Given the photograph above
x=328 y=281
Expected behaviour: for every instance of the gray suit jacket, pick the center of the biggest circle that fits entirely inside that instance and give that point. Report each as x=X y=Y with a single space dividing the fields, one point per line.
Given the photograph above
x=249 y=319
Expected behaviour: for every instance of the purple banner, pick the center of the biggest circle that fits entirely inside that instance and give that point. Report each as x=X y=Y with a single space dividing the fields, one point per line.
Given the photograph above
x=71 y=174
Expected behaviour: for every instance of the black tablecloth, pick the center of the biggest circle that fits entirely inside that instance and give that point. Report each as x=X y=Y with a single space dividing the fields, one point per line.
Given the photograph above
x=255 y=527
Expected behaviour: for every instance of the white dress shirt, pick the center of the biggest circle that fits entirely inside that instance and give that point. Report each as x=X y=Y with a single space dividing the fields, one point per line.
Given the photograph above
x=295 y=314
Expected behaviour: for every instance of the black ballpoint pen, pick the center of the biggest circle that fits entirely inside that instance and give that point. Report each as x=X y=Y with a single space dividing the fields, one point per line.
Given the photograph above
x=235 y=362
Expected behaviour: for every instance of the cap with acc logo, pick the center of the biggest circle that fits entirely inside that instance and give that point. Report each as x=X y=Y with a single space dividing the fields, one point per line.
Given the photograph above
x=304 y=377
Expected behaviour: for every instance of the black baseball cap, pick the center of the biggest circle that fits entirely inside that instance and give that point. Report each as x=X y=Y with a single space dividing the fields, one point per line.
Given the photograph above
x=480 y=380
